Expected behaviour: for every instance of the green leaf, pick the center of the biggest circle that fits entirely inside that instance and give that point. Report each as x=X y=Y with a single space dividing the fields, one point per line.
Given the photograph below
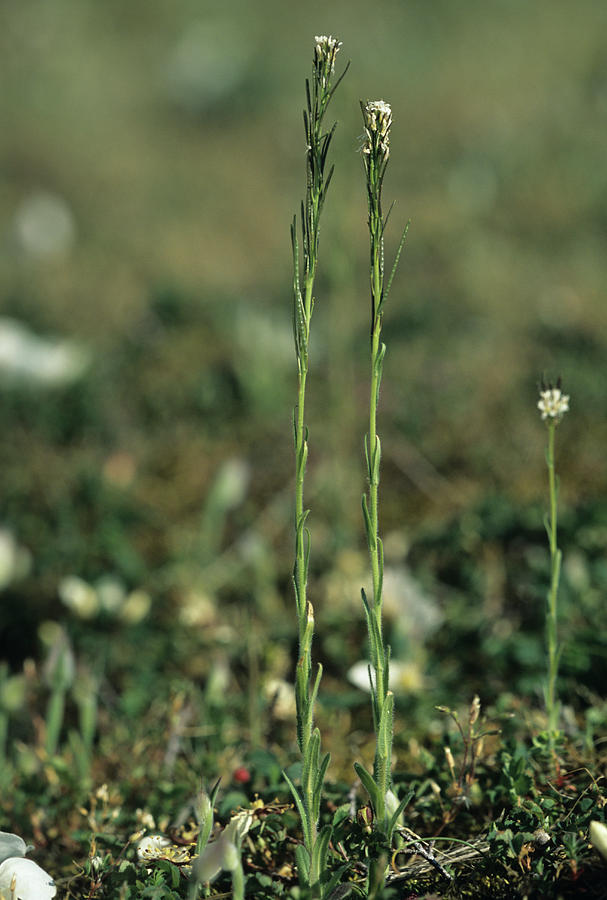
x=302 y=857
x=314 y=693
x=379 y=359
x=368 y=526
x=376 y=460
x=298 y=803
x=368 y=783
x=396 y=259
x=398 y=812
x=320 y=849
x=320 y=778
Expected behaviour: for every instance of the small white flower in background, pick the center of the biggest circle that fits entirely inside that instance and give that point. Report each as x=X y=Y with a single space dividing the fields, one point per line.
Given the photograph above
x=598 y=837
x=20 y=878
x=44 y=225
x=42 y=361
x=405 y=677
x=281 y=696
x=152 y=847
x=207 y=66
x=79 y=596
x=145 y=818
x=136 y=607
x=108 y=595
x=111 y=593
x=553 y=404
x=15 y=560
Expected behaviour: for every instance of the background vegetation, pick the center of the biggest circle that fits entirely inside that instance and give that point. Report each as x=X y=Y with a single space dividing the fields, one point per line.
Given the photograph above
x=151 y=161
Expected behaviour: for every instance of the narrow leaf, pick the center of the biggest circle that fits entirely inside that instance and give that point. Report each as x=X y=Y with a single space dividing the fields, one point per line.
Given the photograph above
x=298 y=803
x=397 y=258
x=368 y=783
x=320 y=849
x=302 y=857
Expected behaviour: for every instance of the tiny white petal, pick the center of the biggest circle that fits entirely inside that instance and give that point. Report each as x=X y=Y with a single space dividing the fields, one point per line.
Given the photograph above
x=30 y=881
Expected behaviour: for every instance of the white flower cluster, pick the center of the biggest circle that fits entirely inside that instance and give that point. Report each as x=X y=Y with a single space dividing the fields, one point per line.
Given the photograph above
x=107 y=595
x=327 y=46
x=553 y=404
x=377 y=115
x=325 y=51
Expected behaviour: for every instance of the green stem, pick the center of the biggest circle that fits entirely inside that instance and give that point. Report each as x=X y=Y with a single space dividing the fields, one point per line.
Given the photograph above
x=379 y=655
x=318 y=94
x=552 y=705
x=305 y=717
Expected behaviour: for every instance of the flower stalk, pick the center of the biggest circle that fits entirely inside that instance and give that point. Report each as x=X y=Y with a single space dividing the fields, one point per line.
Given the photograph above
x=553 y=404
x=318 y=95
x=377 y=118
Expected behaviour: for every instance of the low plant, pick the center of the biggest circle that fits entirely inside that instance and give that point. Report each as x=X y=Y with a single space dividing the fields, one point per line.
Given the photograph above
x=553 y=405
x=312 y=857
x=377 y=119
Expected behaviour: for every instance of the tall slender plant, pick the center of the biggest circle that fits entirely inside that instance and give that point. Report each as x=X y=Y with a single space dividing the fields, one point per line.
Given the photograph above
x=553 y=405
x=312 y=856
x=377 y=117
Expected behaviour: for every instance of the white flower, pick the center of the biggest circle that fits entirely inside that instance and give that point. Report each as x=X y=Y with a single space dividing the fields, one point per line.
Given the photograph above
x=25 y=357
x=325 y=51
x=44 y=225
x=281 y=696
x=598 y=837
x=15 y=560
x=327 y=46
x=145 y=818
x=553 y=403
x=377 y=116
x=404 y=677
x=23 y=879
x=80 y=597
x=136 y=607
x=152 y=847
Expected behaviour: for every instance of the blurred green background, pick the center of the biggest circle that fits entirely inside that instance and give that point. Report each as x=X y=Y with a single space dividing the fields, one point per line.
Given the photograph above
x=151 y=160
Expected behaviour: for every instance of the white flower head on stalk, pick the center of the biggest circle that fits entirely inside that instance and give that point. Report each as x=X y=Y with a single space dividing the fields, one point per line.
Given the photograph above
x=325 y=52
x=19 y=877
x=377 y=115
x=553 y=404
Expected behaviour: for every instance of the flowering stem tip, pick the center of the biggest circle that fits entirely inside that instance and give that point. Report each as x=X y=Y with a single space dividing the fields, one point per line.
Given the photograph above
x=553 y=404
